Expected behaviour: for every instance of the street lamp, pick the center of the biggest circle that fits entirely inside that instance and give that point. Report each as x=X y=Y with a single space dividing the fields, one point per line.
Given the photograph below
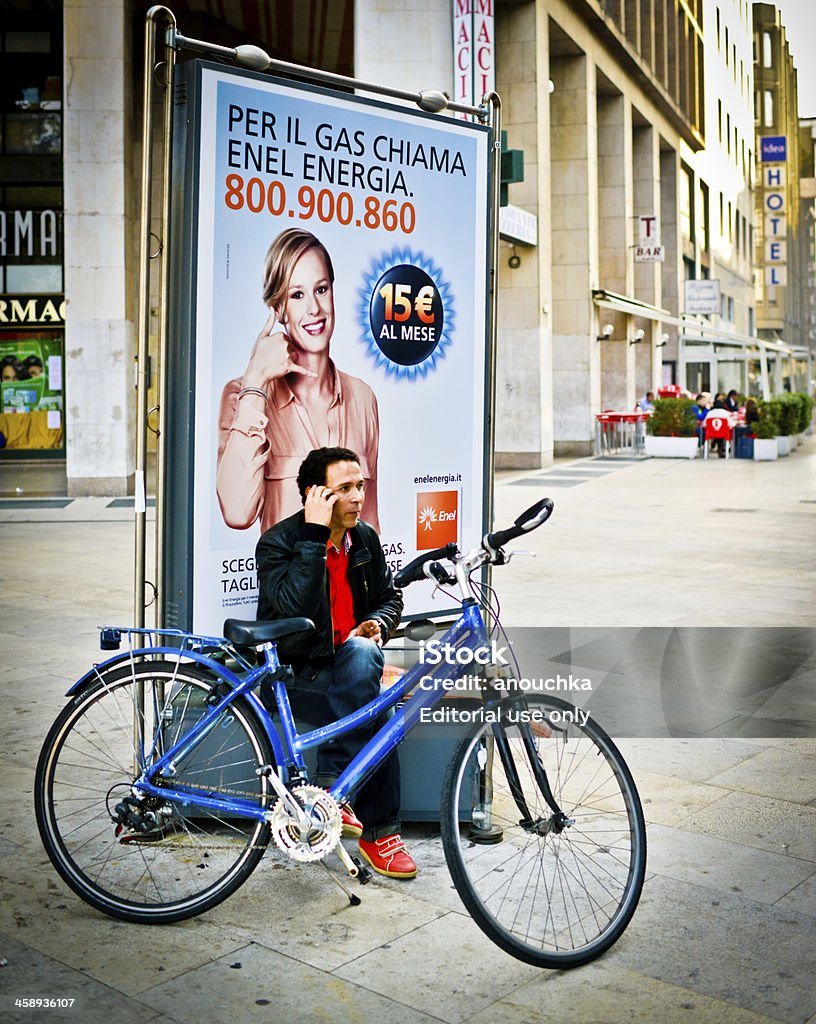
x=640 y=334
x=606 y=332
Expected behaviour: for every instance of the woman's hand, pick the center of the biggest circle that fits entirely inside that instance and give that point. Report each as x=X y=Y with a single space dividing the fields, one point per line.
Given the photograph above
x=271 y=356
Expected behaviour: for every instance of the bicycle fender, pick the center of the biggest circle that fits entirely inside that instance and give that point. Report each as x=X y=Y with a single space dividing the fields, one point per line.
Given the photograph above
x=93 y=674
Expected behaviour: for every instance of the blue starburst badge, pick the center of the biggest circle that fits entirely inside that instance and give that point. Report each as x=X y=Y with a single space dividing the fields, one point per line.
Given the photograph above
x=406 y=313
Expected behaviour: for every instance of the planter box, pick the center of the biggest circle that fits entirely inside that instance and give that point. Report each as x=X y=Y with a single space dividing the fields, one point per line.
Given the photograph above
x=765 y=449
x=783 y=444
x=670 y=447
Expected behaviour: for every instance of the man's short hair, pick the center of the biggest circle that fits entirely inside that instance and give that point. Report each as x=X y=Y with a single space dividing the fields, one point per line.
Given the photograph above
x=312 y=472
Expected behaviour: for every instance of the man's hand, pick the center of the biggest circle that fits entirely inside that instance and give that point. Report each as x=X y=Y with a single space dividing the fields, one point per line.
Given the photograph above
x=319 y=504
x=369 y=629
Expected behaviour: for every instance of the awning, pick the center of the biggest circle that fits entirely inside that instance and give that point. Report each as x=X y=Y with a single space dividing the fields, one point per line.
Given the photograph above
x=692 y=331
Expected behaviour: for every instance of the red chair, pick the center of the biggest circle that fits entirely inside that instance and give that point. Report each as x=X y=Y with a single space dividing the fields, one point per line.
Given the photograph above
x=718 y=428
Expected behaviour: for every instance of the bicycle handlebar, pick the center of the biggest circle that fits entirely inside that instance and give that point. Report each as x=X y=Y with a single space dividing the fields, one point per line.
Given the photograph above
x=529 y=520
x=414 y=570
x=492 y=543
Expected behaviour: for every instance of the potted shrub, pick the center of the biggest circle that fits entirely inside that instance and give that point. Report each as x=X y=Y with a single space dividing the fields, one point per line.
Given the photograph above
x=805 y=414
x=765 y=447
x=787 y=426
x=671 y=430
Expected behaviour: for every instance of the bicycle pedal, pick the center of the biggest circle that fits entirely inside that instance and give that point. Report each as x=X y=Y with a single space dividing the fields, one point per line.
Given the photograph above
x=364 y=874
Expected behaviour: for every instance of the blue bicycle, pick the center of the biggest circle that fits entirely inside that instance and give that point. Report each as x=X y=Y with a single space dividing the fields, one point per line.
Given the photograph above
x=175 y=762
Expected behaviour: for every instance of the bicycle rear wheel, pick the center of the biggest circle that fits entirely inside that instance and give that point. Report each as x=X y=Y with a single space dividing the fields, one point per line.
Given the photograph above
x=549 y=893
x=189 y=858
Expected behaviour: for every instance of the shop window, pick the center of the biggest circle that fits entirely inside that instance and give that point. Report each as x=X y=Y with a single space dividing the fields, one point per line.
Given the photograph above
x=31 y=390
x=28 y=42
x=33 y=278
x=31 y=236
x=33 y=133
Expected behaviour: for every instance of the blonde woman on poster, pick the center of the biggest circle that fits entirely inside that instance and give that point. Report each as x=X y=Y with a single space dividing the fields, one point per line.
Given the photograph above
x=291 y=397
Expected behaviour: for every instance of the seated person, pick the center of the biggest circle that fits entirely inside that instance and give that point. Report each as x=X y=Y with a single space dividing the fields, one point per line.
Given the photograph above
x=325 y=563
x=719 y=409
x=701 y=411
x=751 y=412
x=646 y=404
x=732 y=401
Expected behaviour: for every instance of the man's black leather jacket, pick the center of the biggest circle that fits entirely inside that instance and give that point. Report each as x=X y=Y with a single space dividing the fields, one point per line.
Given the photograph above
x=293 y=580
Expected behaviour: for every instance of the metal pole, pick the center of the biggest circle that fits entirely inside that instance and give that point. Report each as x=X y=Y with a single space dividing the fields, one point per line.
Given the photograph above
x=492 y=102
x=140 y=505
x=255 y=59
x=164 y=307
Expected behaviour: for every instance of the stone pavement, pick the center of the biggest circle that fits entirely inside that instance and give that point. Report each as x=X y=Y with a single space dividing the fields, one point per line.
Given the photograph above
x=725 y=929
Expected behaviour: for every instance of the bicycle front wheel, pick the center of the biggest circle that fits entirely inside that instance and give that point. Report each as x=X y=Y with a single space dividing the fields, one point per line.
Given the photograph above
x=552 y=890
x=169 y=860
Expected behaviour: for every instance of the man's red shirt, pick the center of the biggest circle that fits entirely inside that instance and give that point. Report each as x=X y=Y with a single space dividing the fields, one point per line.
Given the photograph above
x=342 y=603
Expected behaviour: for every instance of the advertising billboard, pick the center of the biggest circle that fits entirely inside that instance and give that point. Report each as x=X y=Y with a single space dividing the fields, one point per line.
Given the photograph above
x=329 y=283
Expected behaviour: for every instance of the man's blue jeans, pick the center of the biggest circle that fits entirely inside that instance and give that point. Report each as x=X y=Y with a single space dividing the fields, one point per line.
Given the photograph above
x=336 y=690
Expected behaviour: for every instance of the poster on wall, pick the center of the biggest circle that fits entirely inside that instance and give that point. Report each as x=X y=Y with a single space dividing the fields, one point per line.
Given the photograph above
x=340 y=298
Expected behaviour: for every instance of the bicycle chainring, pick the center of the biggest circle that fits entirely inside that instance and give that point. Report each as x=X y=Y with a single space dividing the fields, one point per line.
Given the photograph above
x=312 y=844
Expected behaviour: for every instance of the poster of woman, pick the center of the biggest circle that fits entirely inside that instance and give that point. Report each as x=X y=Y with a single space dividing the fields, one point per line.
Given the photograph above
x=339 y=296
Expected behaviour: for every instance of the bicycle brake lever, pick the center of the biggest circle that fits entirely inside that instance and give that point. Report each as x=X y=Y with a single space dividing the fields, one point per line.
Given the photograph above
x=517 y=551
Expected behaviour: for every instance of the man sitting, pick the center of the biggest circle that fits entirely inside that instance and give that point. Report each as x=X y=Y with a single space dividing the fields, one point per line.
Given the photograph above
x=325 y=563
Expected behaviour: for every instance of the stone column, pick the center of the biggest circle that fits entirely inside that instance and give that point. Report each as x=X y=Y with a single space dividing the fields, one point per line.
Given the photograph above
x=671 y=272
x=524 y=437
x=574 y=170
x=646 y=192
x=614 y=255
x=99 y=332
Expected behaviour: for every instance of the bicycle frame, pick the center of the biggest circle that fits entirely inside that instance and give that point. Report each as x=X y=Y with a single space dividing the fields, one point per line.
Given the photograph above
x=467 y=632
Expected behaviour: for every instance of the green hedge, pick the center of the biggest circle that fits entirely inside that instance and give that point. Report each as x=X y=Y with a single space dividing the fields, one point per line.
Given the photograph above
x=672 y=417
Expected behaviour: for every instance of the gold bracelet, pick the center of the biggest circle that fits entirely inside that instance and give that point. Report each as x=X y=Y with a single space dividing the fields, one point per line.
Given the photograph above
x=254 y=391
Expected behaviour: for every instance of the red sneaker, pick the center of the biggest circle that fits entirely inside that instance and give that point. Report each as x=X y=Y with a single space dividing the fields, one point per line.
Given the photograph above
x=389 y=857
x=352 y=826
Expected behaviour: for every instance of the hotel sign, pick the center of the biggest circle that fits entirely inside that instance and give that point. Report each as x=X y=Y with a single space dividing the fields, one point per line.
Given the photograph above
x=774 y=203
x=773 y=149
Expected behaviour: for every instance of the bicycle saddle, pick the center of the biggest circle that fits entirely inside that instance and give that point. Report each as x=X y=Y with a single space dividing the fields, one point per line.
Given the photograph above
x=253 y=634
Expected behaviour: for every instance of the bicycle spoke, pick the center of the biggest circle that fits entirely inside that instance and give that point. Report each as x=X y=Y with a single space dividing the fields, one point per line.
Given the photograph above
x=550 y=893
x=188 y=857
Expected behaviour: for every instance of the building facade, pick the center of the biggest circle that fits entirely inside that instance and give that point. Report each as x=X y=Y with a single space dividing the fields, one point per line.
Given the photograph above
x=635 y=121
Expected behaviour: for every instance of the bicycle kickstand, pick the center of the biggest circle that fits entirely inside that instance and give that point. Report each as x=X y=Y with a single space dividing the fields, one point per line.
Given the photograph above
x=354 y=868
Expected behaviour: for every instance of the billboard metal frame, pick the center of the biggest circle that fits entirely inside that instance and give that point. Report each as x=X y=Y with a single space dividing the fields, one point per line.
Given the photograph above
x=163 y=42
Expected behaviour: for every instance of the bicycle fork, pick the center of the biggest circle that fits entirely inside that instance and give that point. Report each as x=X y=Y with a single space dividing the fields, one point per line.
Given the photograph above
x=484 y=830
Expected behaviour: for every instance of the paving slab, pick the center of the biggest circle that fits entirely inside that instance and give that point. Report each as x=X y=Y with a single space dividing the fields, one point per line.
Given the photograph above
x=299 y=911
x=602 y=993
x=259 y=983
x=448 y=969
x=784 y=826
x=724 y=866
x=31 y=974
x=721 y=945
x=774 y=773
x=41 y=912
